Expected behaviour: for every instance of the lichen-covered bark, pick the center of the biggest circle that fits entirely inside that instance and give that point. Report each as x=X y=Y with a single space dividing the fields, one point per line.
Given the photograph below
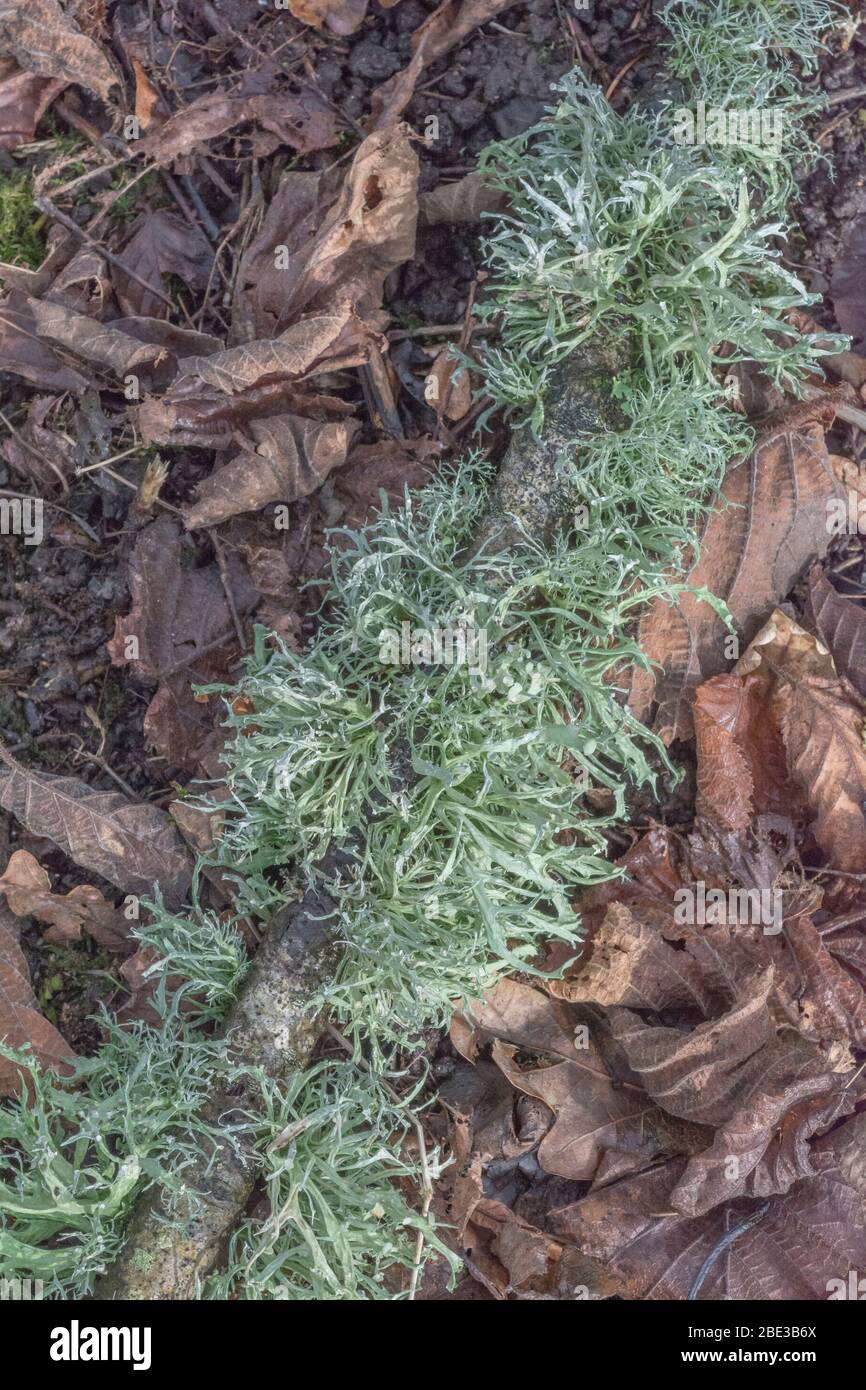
x=167 y=1255
x=529 y=496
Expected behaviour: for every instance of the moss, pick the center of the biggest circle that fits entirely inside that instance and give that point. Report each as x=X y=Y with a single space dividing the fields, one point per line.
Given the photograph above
x=20 y=222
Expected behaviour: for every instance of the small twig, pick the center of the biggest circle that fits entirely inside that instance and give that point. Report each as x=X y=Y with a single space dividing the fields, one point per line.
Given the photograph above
x=45 y=205
x=227 y=589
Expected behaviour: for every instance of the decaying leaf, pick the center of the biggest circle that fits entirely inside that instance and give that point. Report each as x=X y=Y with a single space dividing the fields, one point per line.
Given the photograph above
x=466 y=200
x=821 y=722
x=160 y=244
x=25 y=354
x=292 y=458
x=24 y=99
x=331 y=238
x=44 y=39
x=592 y=1114
x=771 y=524
x=133 y=845
x=28 y=894
x=301 y=120
x=841 y=626
x=21 y=1023
x=171 y=634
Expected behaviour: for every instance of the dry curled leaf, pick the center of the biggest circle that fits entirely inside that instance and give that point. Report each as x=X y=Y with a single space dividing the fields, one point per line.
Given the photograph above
x=821 y=723
x=292 y=458
x=301 y=120
x=24 y=99
x=331 y=237
x=28 y=893
x=841 y=626
x=133 y=845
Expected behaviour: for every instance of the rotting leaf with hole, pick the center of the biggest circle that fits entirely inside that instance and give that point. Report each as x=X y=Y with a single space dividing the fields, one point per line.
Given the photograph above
x=768 y=527
x=133 y=845
x=21 y=1023
x=331 y=237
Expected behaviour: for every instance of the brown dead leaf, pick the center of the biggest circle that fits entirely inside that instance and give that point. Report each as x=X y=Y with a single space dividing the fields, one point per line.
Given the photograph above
x=160 y=244
x=752 y=552
x=149 y=105
x=742 y=770
x=25 y=354
x=292 y=458
x=821 y=721
x=809 y=1237
x=464 y=201
x=441 y=31
x=170 y=635
x=24 y=99
x=592 y=1115
x=216 y=395
x=340 y=16
x=331 y=238
x=28 y=893
x=133 y=845
x=102 y=343
x=301 y=120
x=21 y=1023
x=44 y=39
x=49 y=460
x=841 y=626
x=447 y=388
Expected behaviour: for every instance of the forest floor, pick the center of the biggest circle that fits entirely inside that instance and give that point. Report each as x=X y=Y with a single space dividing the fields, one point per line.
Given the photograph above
x=141 y=195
